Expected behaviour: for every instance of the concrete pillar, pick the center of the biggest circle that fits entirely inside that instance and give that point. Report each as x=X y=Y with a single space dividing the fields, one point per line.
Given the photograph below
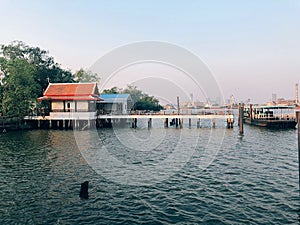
x=230 y=122
x=75 y=124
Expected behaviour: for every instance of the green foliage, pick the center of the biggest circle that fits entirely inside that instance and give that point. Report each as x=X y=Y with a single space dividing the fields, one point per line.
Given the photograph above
x=148 y=103
x=113 y=90
x=25 y=73
x=141 y=101
x=134 y=92
x=19 y=88
x=85 y=76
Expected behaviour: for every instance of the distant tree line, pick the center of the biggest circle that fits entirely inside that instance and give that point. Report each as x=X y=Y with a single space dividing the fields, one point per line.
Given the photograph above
x=141 y=101
x=25 y=72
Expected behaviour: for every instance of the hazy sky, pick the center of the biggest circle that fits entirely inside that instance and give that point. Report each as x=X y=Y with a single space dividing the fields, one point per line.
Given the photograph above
x=252 y=47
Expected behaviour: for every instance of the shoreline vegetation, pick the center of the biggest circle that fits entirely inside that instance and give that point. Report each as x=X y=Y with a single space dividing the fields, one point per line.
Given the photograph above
x=25 y=73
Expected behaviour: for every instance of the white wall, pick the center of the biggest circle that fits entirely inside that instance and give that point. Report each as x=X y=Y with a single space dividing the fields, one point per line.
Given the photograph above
x=82 y=105
x=57 y=106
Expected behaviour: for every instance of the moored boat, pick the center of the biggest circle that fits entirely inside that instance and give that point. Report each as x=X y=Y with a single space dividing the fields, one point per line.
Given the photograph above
x=280 y=117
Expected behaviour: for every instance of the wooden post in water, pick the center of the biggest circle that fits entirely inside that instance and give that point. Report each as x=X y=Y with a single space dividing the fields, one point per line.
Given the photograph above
x=134 y=123
x=178 y=107
x=198 y=123
x=190 y=122
x=241 y=110
x=298 y=122
x=166 y=123
x=251 y=112
x=180 y=122
x=149 y=123
x=214 y=122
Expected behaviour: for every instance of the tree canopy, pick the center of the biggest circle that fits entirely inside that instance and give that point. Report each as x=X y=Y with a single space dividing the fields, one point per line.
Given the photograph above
x=141 y=101
x=25 y=74
x=85 y=76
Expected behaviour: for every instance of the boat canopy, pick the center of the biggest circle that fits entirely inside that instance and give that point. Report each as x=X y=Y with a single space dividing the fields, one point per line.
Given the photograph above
x=271 y=107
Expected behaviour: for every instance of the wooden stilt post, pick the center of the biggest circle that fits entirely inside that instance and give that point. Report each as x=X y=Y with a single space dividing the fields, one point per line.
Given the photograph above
x=214 y=123
x=198 y=123
x=134 y=123
x=149 y=123
x=298 y=122
x=241 y=111
x=178 y=106
x=180 y=122
x=190 y=122
x=166 y=123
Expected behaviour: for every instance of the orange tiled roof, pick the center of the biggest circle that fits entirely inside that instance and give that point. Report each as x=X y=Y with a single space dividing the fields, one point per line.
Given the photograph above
x=71 y=89
x=71 y=92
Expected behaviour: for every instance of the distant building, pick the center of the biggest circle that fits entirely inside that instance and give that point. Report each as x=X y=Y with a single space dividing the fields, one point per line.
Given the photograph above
x=232 y=101
x=192 y=103
x=274 y=98
x=169 y=106
x=116 y=103
x=297 y=94
x=282 y=101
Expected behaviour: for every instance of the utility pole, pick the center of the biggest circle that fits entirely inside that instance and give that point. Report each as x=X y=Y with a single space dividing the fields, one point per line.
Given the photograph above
x=178 y=107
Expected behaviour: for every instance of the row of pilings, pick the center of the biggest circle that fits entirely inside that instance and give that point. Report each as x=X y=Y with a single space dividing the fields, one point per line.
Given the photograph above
x=108 y=123
x=70 y=124
x=178 y=123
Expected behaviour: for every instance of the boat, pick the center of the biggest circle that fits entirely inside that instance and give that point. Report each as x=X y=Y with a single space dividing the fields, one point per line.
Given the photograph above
x=276 y=116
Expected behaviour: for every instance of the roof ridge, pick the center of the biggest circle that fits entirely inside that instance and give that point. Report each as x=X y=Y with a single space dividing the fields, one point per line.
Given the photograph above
x=72 y=83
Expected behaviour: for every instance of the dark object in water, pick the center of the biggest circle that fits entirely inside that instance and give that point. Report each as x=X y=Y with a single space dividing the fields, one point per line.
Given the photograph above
x=84 y=190
x=172 y=123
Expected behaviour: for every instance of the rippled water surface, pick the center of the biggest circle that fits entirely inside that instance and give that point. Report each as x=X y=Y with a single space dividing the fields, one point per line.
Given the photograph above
x=249 y=180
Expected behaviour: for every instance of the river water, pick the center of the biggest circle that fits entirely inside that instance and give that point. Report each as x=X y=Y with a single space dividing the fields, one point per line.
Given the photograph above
x=213 y=177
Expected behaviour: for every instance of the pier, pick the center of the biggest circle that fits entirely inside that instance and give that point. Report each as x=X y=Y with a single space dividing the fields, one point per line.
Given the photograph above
x=85 y=121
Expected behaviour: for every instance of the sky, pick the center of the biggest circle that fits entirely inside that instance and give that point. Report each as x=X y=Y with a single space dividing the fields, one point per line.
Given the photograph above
x=252 y=47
